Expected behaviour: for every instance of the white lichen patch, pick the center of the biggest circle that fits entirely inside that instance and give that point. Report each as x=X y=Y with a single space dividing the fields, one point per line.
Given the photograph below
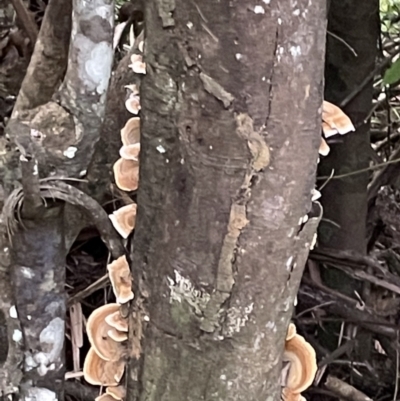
x=13 y=312
x=17 y=335
x=160 y=149
x=27 y=272
x=236 y=318
x=295 y=51
x=51 y=342
x=70 y=152
x=182 y=289
x=259 y=10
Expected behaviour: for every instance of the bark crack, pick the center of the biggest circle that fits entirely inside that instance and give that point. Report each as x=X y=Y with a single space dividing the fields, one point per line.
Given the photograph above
x=237 y=222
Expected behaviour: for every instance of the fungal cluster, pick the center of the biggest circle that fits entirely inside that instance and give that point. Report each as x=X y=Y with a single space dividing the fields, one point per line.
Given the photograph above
x=302 y=362
x=107 y=326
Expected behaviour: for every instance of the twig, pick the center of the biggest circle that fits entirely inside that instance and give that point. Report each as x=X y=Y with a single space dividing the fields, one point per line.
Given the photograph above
x=27 y=21
x=396 y=386
x=343 y=41
x=368 y=78
x=97 y=285
x=344 y=390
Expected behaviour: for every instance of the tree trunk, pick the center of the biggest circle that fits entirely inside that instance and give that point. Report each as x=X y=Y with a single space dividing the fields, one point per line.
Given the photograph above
x=231 y=128
x=345 y=199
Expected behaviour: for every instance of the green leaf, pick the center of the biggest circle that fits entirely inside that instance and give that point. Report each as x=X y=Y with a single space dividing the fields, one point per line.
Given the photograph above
x=392 y=74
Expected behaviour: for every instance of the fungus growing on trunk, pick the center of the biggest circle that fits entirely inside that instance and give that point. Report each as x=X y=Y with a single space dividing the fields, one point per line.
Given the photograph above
x=97 y=330
x=100 y=372
x=118 y=393
x=303 y=365
x=116 y=321
x=126 y=174
x=334 y=121
x=121 y=279
x=124 y=219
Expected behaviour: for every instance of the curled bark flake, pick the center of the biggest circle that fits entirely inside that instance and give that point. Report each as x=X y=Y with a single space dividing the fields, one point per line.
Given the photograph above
x=215 y=89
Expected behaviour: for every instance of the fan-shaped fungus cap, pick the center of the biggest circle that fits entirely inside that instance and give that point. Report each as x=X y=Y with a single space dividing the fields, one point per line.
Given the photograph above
x=124 y=219
x=117 y=321
x=106 y=397
x=334 y=120
x=303 y=364
x=323 y=148
x=132 y=104
x=118 y=336
x=126 y=174
x=118 y=393
x=121 y=279
x=97 y=329
x=137 y=64
x=291 y=332
x=99 y=372
x=130 y=134
x=130 y=152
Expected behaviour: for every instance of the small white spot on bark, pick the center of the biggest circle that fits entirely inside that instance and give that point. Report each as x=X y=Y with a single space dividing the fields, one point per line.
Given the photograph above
x=27 y=272
x=295 y=51
x=82 y=173
x=223 y=377
x=160 y=149
x=13 y=312
x=238 y=56
x=17 y=335
x=70 y=152
x=289 y=263
x=259 y=10
x=279 y=21
x=146 y=318
x=189 y=25
x=167 y=161
x=266 y=1
x=210 y=147
x=296 y=13
x=29 y=317
x=270 y=325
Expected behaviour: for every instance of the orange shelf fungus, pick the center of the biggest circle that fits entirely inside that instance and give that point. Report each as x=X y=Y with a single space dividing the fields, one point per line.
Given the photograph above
x=124 y=219
x=117 y=393
x=121 y=279
x=105 y=397
x=117 y=336
x=130 y=134
x=303 y=365
x=116 y=321
x=97 y=330
x=100 y=372
x=126 y=174
x=334 y=121
x=130 y=152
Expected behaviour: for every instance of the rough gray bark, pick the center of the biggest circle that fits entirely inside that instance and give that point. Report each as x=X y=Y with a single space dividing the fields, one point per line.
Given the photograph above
x=54 y=130
x=231 y=128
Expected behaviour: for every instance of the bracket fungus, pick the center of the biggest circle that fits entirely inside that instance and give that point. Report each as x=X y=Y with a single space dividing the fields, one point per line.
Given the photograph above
x=124 y=219
x=126 y=174
x=117 y=336
x=116 y=321
x=117 y=393
x=130 y=134
x=100 y=372
x=121 y=279
x=137 y=64
x=105 y=397
x=97 y=330
x=334 y=121
x=303 y=365
x=130 y=152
